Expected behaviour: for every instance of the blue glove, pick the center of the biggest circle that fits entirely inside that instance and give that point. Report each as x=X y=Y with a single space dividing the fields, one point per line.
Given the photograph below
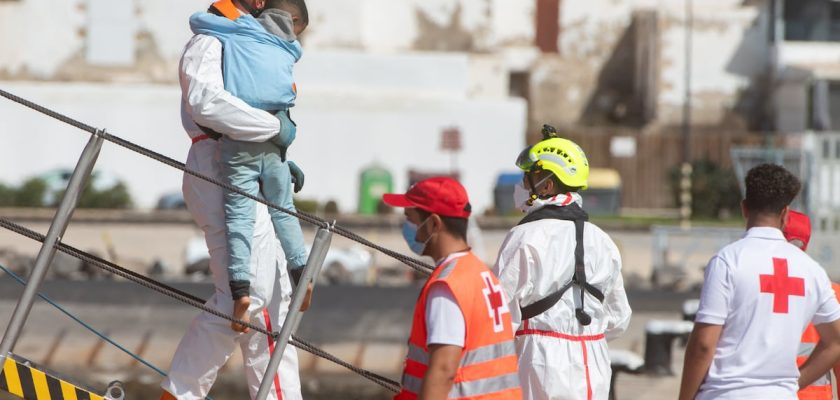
x=297 y=176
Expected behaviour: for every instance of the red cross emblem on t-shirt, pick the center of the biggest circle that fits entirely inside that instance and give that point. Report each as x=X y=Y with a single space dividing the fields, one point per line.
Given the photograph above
x=781 y=286
x=495 y=300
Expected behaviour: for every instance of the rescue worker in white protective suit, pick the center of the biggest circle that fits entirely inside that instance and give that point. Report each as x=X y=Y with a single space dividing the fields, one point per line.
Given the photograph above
x=209 y=340
x=563 y=278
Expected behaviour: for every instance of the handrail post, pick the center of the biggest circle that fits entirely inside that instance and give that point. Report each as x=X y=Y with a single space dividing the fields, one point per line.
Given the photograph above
x=313 y=267
x=45 y=256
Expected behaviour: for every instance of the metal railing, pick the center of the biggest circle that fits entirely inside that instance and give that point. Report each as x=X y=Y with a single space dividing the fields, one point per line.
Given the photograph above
x=80 y=177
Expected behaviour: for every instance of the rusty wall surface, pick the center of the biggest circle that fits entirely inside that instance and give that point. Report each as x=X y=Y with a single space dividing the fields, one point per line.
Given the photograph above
x=624 y=64
x=729 y=64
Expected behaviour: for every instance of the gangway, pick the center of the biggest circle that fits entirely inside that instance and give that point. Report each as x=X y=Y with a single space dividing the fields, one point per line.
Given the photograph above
x=30 y=381
x=19 y=374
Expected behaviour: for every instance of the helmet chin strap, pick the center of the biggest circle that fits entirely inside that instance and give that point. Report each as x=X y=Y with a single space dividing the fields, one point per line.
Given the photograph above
x=533 y=188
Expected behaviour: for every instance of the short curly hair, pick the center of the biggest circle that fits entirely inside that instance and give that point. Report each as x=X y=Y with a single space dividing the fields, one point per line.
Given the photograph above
x=299 y=4
x=770 y=188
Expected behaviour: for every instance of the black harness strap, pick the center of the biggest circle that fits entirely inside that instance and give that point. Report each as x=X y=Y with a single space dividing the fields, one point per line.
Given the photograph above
x=575 y=214
x=209 y=132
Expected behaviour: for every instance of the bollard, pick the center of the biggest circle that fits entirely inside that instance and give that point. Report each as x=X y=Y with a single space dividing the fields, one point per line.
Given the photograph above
x=623 y=361
x=659 y=343
x=690 y=308
x=115 y=391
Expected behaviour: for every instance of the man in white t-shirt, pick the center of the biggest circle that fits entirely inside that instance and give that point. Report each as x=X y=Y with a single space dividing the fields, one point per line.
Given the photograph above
x=758 y=296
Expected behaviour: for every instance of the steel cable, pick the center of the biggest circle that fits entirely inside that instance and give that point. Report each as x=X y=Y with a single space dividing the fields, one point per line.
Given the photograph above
x=186 y=298
x=130 y=275
x=84 y=324
x=415 y=264
x=193 y=301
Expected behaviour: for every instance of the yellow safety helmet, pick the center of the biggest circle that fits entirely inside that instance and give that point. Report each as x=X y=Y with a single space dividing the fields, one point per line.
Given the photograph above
x=561 y=156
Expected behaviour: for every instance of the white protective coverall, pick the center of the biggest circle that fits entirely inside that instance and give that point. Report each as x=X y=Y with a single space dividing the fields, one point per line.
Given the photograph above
x=558 y=357
x=210 y=341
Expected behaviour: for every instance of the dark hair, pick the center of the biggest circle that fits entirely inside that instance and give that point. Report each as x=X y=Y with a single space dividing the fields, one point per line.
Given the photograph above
x=455 y=226
x=300 y=4
x=770 y=188
x=560 y=187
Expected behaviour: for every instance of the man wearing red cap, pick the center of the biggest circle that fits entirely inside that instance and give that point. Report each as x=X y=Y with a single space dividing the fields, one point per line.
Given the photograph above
x=798 y=233
x=461 y=343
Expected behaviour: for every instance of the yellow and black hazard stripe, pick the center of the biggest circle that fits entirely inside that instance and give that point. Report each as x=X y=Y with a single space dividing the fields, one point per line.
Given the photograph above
x=30 y=383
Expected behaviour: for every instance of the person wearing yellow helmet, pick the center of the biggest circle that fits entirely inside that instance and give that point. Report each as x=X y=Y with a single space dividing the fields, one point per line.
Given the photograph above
x=559 y=156
x=562 y=275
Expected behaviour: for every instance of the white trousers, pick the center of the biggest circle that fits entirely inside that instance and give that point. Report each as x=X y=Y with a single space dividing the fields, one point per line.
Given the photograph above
x=209 y=341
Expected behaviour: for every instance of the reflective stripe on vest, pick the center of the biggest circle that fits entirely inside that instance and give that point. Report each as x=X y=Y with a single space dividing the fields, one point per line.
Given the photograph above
x=488 y=364
x=821 y=389
x=477 y=356
x=447 y=269
x=468 y=389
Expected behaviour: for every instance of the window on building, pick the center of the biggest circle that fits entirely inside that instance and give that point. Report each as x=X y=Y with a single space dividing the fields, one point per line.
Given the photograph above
x=812 y=20
x=824 y=106
x=837 y=149
x=826 y=149
x=520 y=85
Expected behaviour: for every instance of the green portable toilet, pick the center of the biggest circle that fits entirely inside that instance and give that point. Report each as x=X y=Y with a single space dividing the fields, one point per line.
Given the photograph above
x=373 y=183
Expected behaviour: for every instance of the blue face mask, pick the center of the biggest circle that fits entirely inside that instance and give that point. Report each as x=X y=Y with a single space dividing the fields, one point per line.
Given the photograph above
x=409 y=232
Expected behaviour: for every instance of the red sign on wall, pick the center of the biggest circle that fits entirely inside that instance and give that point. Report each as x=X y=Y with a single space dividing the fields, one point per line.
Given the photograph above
x=451 y=139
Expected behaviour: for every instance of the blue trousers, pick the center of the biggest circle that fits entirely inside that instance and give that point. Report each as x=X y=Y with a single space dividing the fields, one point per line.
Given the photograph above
x=257 y=168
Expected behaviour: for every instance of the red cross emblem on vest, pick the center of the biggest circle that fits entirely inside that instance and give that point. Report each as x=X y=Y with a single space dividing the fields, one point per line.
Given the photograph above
x=495 y=300
x=781 y=286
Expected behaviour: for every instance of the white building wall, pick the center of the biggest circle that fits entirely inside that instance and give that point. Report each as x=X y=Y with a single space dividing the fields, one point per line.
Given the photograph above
x=340 y=133
x=362 y=65
x=335 y=144
x=396 y=25
x=365 y=94
x=167 y=22
x=821 y=58
x=37 y=36
x=730 y=48
x=147 y=115
x=410 y=75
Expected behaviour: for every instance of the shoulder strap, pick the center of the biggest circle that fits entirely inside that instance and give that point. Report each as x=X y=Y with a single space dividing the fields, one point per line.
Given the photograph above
x=575 y=214
x=570 y=212
x=544 y=304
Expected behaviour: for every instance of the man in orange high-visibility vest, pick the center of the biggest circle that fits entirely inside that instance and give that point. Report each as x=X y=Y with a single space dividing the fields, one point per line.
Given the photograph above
x=461 y=344
x=798 y=232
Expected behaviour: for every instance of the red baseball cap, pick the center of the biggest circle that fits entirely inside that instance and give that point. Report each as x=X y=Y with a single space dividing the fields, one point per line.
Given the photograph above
x=441 y=195
x=798 y=227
